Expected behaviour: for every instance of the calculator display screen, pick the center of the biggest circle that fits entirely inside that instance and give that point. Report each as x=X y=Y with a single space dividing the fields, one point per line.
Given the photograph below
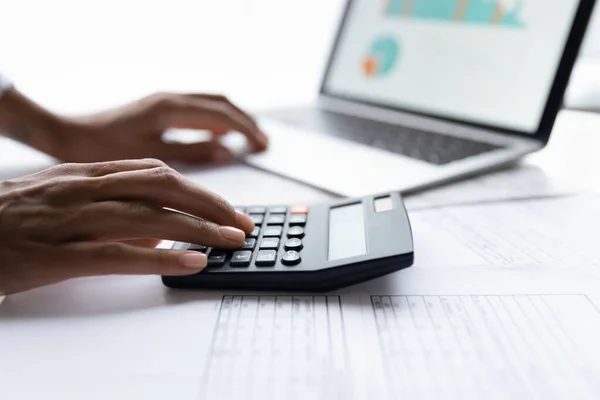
x=347 y=236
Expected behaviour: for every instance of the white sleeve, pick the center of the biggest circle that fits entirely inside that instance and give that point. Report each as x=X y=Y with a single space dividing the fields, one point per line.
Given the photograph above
x=5 y=85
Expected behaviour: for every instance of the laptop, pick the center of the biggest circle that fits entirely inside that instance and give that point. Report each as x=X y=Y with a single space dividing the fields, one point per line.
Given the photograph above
x=421 y=92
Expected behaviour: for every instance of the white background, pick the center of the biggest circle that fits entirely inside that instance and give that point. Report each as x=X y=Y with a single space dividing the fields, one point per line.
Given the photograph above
x=497 y=76
x=78 y=56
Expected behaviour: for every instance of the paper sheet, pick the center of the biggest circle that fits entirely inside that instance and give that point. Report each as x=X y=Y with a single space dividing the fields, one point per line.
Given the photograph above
x=419 y=334
x=296 y=341
x=431 y=340
x=532 y=232
x=522 y=182
x=461 y=346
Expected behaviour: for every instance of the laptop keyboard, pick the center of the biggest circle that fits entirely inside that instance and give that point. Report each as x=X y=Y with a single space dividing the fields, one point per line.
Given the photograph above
x=422 y=145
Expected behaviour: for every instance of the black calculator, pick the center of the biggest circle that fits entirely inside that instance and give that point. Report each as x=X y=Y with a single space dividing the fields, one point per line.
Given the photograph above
x=313 y=248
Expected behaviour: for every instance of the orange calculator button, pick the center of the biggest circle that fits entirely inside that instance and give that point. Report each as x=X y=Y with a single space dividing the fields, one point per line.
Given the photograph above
x=299 y=209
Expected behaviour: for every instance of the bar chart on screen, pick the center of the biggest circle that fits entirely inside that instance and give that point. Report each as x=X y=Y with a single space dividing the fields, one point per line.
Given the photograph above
x=499 y=13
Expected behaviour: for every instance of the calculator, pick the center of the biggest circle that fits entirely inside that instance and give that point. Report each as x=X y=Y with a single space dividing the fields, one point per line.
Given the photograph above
x=309 y=248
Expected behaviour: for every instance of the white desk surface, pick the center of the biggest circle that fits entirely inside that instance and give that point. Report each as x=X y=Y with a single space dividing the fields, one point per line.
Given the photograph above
x=101 y=69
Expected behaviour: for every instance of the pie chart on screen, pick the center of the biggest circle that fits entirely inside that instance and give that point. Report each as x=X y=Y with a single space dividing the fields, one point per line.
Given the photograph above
x=381 y=58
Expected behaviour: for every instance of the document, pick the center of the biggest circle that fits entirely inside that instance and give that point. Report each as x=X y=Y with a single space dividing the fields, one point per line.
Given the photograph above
x=278 y=346
x=522 y=182
x=430 y=340
x=462 y=346
x=557 y=231
x=418 y=334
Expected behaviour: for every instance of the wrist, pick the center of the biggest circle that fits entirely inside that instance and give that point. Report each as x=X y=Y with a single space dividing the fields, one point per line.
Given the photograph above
x=25 y=121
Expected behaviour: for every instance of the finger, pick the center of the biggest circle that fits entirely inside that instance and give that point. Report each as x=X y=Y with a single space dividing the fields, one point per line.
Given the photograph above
x=198 y=113
x=101 y=258
x=71 y=182
x=224 y=99
x=202 y=152
x=109 y=220
x=106 y=168
x=165 y=187
x=74 y=170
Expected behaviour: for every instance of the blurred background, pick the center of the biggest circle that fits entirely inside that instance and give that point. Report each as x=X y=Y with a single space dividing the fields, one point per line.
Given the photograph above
x=78 y=56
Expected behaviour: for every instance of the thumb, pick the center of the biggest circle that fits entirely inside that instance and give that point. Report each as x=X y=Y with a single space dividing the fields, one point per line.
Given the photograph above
x=106 y=258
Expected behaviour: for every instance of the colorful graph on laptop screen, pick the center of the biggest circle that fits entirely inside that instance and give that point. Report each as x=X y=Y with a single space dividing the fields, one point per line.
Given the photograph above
x=382 y=57
x=491 y=12
x=491 y=62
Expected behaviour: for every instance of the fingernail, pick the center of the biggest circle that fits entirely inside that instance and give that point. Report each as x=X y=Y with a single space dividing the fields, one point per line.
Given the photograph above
x=231 y=233
x=193 y=260
x=221 y=155
x=244 y=221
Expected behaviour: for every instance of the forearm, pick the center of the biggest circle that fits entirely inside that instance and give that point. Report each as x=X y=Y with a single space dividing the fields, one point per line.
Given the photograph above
x=23 y=120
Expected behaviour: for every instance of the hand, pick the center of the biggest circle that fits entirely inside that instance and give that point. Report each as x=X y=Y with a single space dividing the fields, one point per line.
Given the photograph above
x=136 y=130
x=76 y=220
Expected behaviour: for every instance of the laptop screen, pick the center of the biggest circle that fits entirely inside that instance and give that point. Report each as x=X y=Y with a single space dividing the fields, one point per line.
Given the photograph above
x=490 y=62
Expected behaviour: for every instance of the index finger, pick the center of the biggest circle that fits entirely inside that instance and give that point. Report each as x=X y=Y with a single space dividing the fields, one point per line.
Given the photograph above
x=202 y=113
x=167 y=188
x=262 y=138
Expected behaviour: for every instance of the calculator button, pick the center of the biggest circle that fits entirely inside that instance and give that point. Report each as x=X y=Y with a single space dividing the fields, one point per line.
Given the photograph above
x=276 y=219
x=256 y=210
x=198 y=247
x=269 y=243
x=254 y=233
x=257 y=218
x=249 y=244
x=278 y=210
x=298 y=219
x=299 y=209
x=266 y=258
x=272 y=231
x=240 y=258
x=290 y=257
x=295 y=231
x=293 y=244
x=216 y=258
